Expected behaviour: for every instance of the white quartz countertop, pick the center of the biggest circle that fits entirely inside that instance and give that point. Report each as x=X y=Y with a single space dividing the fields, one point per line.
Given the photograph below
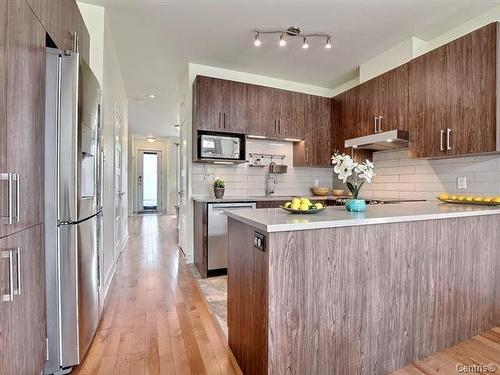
x=278 y=220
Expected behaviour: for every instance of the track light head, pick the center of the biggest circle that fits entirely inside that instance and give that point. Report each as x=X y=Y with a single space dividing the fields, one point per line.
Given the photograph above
x=282 y=42
x=305 y=45
x=328 y=44
x=256 y=41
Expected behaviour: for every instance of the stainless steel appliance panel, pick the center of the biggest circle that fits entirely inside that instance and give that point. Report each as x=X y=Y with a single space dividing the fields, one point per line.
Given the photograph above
x=217 y=232
x=52 y=79
x=68 y=290
x=68 y=138
x=88 y=292
x=88 y=123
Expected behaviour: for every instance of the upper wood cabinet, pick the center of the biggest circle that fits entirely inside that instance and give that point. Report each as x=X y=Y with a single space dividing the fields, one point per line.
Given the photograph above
x=23 y=119
x=428 y=115
x=219 y=105
x=316 y=148
x=3 y=116
x=453 y=97
x=64 y=23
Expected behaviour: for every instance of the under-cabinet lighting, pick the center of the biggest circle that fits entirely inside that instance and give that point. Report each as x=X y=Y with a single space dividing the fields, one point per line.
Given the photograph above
x=256 y=136
x=389 y=140
x=354 y=146
x=293 y=139
x=151 y=139
x=223 y=162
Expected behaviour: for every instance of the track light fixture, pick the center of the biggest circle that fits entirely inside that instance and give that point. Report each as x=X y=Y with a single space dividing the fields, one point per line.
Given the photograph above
x=293 y=31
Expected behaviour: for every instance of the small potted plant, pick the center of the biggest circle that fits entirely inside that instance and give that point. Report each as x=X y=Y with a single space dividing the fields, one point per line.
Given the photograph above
x=354 y=175
x=218 y=187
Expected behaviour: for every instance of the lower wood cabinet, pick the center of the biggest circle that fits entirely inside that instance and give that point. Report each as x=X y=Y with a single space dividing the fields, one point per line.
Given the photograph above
x=22 y=303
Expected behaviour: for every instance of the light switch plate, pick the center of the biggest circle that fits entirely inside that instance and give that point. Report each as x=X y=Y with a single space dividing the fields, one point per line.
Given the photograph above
x=462 y=183
x=316 y=183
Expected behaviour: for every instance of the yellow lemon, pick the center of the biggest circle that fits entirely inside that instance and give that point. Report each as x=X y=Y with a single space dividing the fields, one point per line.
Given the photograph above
x=295 y=201
x=478 y=199
x=288 y=204
x=488 y=199
x=304 y=207
x=319 y=206
x=443 y=196
x=496 y=200
x=460 y=198
x=453 y=197
x=469 y=199
x=295 y=206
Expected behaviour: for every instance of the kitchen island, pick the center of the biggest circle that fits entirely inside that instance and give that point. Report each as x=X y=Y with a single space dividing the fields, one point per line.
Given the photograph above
x=359 y=293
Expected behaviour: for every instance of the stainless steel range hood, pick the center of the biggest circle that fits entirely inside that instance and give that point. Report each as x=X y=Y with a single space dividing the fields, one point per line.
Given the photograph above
x=391 y=140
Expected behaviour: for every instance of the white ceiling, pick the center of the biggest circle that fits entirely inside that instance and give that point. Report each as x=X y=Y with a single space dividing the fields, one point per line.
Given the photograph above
x=155 y=39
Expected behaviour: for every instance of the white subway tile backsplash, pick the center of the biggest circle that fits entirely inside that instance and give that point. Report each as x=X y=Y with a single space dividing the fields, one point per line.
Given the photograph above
x=244 y=181
x=425 y=179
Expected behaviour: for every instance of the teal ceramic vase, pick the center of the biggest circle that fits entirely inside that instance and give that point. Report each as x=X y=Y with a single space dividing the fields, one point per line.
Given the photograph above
x=355 y=205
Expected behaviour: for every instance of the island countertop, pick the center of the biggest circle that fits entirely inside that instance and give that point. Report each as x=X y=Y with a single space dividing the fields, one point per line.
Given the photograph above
x=278 y=220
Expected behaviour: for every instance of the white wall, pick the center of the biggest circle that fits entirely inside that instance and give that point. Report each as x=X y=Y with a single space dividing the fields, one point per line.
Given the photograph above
x=104 y=63
x=186 y=209
x=169 y=175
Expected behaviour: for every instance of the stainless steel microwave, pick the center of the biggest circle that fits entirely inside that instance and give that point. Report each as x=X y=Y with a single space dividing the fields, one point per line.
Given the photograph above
x=221 y=146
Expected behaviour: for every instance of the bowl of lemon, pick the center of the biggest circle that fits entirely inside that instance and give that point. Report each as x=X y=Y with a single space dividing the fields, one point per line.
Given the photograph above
x=469 y=199
x=303 y=206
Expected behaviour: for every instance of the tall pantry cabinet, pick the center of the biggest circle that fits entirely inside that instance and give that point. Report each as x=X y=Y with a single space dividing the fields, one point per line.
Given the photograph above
x=24 y=27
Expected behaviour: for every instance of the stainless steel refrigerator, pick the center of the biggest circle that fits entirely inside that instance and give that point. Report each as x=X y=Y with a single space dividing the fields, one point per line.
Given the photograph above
x=72 y=208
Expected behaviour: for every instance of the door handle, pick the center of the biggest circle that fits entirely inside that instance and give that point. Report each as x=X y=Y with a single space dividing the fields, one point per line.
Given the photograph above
x=442 y=140
x=10 y=296
x=376 y=123
x=275 y=124
x=279 y=125
x=8 y=178
x=220 y=114
x=448 y=139
x=224 y=120
x=380 y=124
x=18 y=259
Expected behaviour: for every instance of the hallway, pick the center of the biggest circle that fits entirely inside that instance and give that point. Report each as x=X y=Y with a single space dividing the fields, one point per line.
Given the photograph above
x=155 y=320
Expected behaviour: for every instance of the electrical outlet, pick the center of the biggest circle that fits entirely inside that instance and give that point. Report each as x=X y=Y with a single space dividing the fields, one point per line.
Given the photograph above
x=462 y=183
x=316 y=183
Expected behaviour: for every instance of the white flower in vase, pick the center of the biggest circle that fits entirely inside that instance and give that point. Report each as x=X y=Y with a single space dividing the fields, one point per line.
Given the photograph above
x=352 y=173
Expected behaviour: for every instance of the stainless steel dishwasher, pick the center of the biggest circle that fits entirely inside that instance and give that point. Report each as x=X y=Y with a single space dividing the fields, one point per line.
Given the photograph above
x=217 y=235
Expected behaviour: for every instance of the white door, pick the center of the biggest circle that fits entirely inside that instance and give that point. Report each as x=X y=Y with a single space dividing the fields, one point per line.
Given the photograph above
x=149 y=191
x=119 y=186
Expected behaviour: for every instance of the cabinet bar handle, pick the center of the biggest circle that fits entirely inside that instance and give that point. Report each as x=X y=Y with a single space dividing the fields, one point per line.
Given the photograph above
x=275 y=124
x=380 y=124
x=376 y=124
x=279 y=125
x=10 y=199
x=220 y=114
x=9 y=297
x=18 y=256
x=75 y=42
x=224 y=120
x=442 y=140
x=18 y=198
x=448 y=139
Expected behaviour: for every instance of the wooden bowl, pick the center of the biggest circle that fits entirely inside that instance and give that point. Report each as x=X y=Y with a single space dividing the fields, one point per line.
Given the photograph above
x=338 y=193
x=320 y=191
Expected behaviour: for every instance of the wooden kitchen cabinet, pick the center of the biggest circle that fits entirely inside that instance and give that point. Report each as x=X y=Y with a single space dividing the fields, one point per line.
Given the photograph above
x=428 y=115
x=24 y=116
x=393 y=99
x=472 y=92
x=63 y=21
x=316 y=148
x=219 y=105
x=453 y=97
x=22 y=319
x=292 y=115
x=3 y=116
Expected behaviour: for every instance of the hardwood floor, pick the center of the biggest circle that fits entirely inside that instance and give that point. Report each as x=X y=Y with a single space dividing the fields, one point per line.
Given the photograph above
x=481 y=350
x=156 y=321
